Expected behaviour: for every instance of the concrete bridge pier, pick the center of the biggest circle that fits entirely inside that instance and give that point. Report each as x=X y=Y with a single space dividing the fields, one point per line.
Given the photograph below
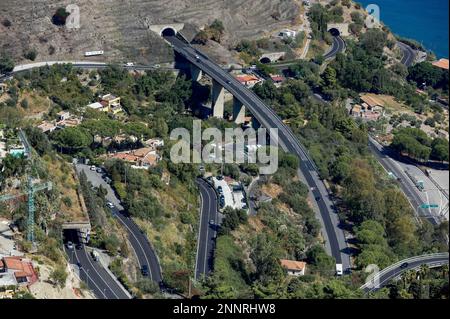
x=196 y=73
x=255 y=123
x=218 y=93
x=238 y=111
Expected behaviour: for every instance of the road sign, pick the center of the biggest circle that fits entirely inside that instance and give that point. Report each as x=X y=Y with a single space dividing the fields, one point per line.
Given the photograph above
x=425 y=206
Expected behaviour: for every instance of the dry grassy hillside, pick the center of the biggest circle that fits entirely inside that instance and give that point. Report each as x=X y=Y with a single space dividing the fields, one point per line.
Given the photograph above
x=119 y=27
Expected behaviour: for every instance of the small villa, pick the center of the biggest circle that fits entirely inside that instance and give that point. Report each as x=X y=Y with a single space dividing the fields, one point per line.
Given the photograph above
x=293 y=267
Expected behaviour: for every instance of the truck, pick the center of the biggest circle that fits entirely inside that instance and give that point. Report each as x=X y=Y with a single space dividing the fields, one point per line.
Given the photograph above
x=339 y=270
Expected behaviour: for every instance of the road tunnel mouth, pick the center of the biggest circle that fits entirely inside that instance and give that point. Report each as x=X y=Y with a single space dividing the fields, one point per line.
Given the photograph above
x=334 y=32
x=265 y=60
x=168 y=32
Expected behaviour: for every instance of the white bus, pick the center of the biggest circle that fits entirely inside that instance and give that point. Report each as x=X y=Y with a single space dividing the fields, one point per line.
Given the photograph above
x=93 y=53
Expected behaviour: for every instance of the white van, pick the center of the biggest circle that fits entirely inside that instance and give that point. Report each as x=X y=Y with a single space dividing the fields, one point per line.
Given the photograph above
x=339 y=270
x=95 y=255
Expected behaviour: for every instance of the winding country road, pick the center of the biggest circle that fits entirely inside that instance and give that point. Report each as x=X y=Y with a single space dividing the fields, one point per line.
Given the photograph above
x=409 y=55
x=338 y=46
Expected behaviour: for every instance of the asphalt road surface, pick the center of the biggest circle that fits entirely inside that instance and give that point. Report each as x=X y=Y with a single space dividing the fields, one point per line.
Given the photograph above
x=287 y=140
x=91 y=272
x=337 y=47
x=394 y=272
x=141 y=246
x=406 y=185
x=408 y=54
x=207 y=230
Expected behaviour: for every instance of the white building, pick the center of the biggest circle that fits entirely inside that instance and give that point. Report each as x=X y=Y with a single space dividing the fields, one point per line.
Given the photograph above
x=293 y=267
x=287 y=33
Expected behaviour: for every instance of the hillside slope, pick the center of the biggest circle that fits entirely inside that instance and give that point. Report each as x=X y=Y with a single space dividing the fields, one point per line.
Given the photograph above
x=120 y=27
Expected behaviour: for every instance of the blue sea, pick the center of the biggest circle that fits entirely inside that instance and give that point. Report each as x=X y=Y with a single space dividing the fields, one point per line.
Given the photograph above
x=425 y=21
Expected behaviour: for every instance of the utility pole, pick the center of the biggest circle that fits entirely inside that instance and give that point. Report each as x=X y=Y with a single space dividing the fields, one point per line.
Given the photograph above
x=31 y=211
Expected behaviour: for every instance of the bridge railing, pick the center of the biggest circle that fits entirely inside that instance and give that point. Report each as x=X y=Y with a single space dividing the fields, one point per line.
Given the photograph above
x=399 y=263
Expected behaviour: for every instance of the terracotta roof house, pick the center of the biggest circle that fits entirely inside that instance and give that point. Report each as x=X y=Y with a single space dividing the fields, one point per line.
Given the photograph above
x=47 y=127
x=22 y=269
x=140 y=158
x=293 y=267
x=442 y=63
x=248 y=80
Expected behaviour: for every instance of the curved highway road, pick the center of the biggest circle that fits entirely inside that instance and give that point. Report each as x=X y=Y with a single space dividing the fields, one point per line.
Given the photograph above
x=408 y=188
x=338 y=46
x=207 y=232
x=139 y=242
x=92 y=273
x=395 y=270
x=409 y=55
x=286 y=138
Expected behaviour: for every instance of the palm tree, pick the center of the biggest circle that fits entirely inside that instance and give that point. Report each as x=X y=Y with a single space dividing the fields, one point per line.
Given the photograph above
x=408 y=277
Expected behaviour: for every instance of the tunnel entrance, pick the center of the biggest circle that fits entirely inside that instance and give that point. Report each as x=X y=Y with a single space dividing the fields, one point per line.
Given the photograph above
x=265 y=60
x=334 y=32
x=168 y=32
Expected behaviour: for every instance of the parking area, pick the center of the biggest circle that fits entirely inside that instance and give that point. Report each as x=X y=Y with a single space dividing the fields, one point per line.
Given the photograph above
x=231 y=194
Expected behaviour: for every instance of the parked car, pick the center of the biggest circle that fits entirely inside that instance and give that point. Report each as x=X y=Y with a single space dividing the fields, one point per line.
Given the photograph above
x=79 y=246
x=99 y=170
x=93 y=168
x=212 y=223
x=110 y=205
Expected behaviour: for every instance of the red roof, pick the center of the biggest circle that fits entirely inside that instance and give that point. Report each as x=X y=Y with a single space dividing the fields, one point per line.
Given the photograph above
x=23 y=268
x=442 y=63
x=277 y=78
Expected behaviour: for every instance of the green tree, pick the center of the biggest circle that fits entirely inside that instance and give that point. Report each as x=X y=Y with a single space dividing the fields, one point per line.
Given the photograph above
x=72 y=138
x=59 y=276
x=6 y=64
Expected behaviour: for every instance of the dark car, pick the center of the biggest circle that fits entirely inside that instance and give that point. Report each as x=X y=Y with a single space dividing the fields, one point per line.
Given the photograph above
x=144 y=270
x=404 y=266
x=318 y=198
x=79 y=246
x=79 y=265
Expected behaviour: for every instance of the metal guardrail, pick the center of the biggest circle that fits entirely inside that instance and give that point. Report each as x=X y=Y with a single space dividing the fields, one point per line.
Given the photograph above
x=408 y=260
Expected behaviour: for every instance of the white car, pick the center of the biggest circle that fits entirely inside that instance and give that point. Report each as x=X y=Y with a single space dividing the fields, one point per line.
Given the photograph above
x=110 y=205
x=339 y=270
x=130 y=64
x=93 y=168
